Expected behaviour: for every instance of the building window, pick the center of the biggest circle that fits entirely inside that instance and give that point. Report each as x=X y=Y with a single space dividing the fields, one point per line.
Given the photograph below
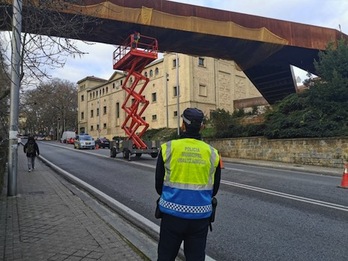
x=97 y=111
x=113 y=85
x=82 y=115
x=154 y=97
x=92 y=128
x=156 y=71
x=107 y=90
x=104 y=126
x=151 y=73
x=175 y=91
x=144 y=118
x=145 y=74
x=104 y=110
x=91 y=113
x=82 y=98
x=97 y=126
x=117 y=110
x=202 y=90
x=103 y=91
x=154 y=117
x=174 y=63
x=201 y=62
x=175 y=113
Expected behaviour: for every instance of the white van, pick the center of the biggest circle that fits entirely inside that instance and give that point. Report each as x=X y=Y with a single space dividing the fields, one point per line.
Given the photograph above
x=67 y=135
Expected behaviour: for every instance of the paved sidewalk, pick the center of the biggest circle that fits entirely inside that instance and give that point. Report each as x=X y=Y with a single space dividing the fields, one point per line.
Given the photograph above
x=46 y=221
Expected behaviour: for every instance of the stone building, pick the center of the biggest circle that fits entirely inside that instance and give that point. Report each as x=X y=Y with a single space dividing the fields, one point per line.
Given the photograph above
x=204 y=82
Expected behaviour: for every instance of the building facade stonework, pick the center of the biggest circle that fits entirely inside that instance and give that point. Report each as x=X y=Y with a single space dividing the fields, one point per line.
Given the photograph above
x=205 y=83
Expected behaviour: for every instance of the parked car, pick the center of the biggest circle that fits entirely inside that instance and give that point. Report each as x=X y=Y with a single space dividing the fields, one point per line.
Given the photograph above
x=84 y=142
x=102 y=143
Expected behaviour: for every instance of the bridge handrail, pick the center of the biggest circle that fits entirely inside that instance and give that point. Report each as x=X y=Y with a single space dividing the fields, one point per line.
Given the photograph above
x=136 y=42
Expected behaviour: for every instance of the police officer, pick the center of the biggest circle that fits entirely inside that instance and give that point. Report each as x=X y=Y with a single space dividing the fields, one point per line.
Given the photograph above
x=187 y=177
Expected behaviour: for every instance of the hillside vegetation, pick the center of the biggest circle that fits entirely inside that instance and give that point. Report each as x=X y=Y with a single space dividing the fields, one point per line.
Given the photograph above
x=320 y=111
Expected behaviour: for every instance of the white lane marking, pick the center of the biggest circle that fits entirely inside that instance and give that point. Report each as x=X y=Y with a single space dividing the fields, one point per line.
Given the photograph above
x=235 y=169
x=297 y=169
x=288 y=196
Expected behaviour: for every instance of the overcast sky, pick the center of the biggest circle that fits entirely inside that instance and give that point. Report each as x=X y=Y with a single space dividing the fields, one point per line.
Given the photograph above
x=325 y=13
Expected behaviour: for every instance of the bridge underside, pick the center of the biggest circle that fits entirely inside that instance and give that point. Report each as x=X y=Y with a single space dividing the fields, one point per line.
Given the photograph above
x=267 y=65
x=264 y=56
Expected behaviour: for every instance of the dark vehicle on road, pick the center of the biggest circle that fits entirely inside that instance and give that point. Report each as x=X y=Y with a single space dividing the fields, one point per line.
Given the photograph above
x=102 y=143
x=127 y=148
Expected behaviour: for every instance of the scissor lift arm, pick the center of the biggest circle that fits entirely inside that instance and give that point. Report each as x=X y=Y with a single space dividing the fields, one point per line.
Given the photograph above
x=132 y=57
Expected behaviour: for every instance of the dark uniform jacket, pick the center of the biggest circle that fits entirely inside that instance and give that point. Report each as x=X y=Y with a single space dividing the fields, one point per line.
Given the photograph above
x=36 y=148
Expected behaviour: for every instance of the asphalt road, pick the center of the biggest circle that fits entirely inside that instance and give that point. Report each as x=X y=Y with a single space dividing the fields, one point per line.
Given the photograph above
x=263 y=213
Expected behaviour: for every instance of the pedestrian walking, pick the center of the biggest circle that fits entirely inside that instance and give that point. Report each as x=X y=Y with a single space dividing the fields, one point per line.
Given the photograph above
x=31 y=149
x=188 y=177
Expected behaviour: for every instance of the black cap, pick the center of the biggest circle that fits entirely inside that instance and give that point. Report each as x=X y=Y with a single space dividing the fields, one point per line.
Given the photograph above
x=192 y=115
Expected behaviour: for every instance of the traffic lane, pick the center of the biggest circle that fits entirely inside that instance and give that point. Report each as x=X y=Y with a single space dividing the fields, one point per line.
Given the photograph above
x=291 y=182
x=255 y=226
x=266 y=183
x=131 y=183
x=310 y=185
x=239 y=217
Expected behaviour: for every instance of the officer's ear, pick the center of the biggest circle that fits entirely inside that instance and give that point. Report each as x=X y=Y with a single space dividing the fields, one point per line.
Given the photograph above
x=183 y=127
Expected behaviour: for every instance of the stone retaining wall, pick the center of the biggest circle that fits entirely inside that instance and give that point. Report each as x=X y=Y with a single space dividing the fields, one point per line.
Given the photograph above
x=327 y=152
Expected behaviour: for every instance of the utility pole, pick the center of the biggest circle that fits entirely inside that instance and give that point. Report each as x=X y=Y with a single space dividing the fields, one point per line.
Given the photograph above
x=14 y=107
x=177 y=90
x=167 y=112
x=58 y=128
x=99 y=117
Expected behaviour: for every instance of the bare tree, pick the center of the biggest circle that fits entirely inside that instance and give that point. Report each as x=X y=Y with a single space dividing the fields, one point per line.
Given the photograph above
x=4 y=95
x=51 y=108
x=43 y=45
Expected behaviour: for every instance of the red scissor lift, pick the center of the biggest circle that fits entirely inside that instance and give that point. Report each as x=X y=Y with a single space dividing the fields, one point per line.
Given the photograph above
x=132 y=57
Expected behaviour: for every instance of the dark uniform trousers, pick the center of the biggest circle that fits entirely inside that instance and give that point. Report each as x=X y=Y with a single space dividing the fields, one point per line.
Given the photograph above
x=174 y=230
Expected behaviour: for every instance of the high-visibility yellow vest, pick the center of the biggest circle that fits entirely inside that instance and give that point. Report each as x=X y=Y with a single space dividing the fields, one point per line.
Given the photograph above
x=190 y=166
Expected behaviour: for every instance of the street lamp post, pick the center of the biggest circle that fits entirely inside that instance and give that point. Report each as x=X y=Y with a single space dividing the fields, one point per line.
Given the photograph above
x=99 y=117
x=167 y=112
x=14 y=107
x=178 y=91
x=58 y=121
